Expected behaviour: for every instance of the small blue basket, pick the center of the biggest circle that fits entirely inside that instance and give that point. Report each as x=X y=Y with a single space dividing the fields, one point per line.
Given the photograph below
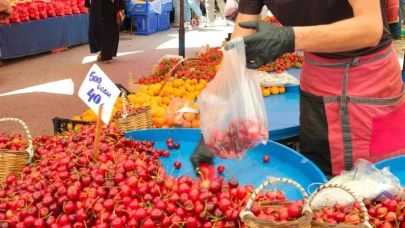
x=167 y=6
x=164 y=21
x=145 y=24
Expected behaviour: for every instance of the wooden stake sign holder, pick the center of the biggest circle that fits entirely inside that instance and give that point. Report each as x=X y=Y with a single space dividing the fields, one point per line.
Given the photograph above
x=99 y=125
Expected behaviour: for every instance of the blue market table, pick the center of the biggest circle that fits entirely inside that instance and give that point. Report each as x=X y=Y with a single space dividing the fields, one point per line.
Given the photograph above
x=284 y=162
x=34 y=37
x=283 y=112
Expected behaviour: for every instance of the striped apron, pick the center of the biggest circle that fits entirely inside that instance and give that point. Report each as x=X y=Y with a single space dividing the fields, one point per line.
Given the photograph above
x=350 y=109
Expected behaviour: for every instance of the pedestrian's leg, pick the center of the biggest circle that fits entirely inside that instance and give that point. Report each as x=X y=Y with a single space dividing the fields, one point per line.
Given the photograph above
x=401 y=4
x=187 y=12
x=203 y=8
x=221 y=6
x=176 y=4
x=195 y=7
x=210 y=5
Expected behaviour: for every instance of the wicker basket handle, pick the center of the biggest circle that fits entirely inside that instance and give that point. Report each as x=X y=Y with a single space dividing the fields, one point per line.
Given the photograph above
x=272 y=181
x=29 y=150
x=124 y=106
x=358 y=199
x=169 y=74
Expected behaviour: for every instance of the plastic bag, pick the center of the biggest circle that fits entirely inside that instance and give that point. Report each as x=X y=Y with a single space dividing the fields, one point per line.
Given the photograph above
x=156 y=6
x=168 y=57
x=231 y=10
x=182 y=113
x=365 y=180
x=232 y=111
x=283 y=79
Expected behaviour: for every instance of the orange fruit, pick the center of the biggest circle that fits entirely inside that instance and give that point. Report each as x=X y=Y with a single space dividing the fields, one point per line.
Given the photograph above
x=165 y=126
x=195 y=123
x=160 y=121
x=188 y=116
x=262 y=88
x=186 y=124
x=154 y=120
x=194 y=82
x=177 y=93
x=199 y=87
x=281 y=89
x=274 y=90
x=169 y=121
x=266 y=92
x=76 y=118
x=160 y=113
x=166 y=100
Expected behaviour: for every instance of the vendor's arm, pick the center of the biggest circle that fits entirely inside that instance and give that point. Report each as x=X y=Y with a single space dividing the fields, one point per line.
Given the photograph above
x=363 y=30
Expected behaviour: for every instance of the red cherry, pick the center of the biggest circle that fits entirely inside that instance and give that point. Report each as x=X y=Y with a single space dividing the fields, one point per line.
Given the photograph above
x=266 y=159
x=220 y=169
x=177 y=165
x=176 y=145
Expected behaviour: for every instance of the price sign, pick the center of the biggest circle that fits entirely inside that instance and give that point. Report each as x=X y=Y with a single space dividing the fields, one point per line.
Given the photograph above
x=97 y=89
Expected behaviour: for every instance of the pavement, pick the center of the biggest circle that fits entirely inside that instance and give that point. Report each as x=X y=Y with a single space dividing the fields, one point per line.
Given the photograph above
x=137 y=54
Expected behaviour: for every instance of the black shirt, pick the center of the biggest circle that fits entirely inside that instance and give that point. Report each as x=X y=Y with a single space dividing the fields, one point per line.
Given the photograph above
x=315 y=12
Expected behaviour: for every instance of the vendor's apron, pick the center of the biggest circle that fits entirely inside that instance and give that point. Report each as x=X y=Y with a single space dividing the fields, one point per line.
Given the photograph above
x=351 y=109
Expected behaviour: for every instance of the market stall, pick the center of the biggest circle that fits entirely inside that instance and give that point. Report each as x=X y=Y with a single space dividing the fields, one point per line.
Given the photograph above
x=34 y=37
x=129 y=165
x=40 y=26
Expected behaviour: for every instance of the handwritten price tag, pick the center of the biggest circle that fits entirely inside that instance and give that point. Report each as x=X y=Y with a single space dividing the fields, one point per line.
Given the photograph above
x=97 y=89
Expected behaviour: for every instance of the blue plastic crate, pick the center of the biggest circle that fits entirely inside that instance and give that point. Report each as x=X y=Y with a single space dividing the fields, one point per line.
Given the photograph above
x=167 y=6
x=164 y=21
x=139 y=8
x=145 y=24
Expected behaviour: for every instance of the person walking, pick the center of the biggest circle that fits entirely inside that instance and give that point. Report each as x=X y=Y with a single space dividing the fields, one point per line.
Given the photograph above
x=103 y=27
x=394 y=17
x=188 y=6
x=210 y=4
x=352 y=97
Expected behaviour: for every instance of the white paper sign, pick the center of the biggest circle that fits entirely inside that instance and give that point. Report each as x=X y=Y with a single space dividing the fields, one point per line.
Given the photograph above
x=97 y=89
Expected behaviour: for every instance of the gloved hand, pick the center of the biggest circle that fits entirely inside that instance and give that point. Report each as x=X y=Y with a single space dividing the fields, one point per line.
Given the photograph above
x=267 y=44
x=201 y=155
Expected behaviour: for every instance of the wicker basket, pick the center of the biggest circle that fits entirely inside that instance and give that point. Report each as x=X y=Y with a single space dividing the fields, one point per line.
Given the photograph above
x=170 y=77
x=14 y=161
x=251 y=221
x=365 y=224
x=130 y=122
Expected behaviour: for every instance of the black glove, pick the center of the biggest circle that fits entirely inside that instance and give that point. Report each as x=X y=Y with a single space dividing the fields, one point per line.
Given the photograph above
x=267 y=44
x=201 y=155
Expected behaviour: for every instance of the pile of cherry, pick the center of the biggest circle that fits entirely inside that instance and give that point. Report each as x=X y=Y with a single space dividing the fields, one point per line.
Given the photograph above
x=240 y=135
x=386 y=214
x=126 y=186
x=14 y=142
